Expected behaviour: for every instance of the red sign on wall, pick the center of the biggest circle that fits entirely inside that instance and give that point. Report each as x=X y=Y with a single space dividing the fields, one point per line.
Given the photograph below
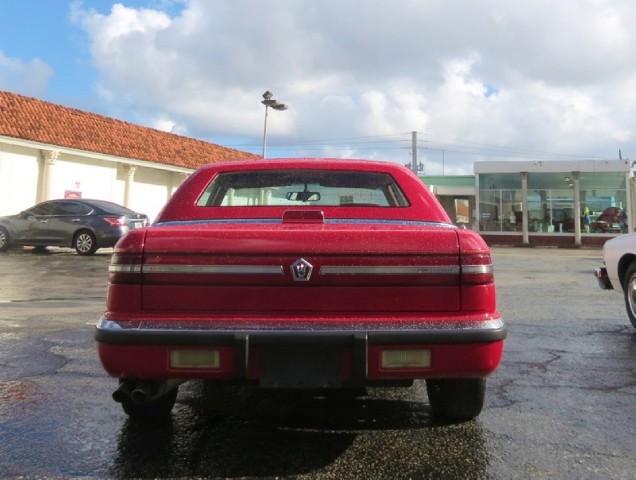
x=72 y=194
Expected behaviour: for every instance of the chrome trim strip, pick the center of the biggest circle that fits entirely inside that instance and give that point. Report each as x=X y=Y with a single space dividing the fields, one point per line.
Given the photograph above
x=478 y=269
x=335 y=221
x=324 y=270
x=217 y=221
x=216 y=269
x=119 y=268
x=391 y=270
x=378 y=221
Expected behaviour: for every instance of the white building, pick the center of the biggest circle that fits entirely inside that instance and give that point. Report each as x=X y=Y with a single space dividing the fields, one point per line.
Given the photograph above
x=49 y=151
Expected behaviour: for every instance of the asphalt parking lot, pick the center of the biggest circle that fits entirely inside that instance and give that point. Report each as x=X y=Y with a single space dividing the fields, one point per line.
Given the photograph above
x=562 y=404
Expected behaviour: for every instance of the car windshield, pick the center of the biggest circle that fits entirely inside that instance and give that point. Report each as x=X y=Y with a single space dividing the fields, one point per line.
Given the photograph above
x=303 y=187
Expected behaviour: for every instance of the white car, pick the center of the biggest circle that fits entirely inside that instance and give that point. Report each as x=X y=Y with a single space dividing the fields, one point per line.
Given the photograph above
x=619 y=255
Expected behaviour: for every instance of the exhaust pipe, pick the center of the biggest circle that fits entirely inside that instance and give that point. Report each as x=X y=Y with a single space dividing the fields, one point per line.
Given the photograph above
x=123 y=391
x=144 y=391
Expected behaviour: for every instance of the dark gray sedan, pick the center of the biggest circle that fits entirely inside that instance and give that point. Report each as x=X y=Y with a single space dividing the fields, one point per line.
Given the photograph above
x=85 y=225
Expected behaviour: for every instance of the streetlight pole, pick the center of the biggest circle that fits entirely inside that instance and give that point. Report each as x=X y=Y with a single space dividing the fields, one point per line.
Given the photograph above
x=268 y=101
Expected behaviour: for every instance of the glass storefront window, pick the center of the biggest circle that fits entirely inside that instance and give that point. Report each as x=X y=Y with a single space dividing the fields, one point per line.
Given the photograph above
x=604 y=211
x=496 y=181
x=551 y=210
x=612 y=219
x=500 y=202
x=603 y=201
x=500 y=210
x=602 y=198
x=550 y=202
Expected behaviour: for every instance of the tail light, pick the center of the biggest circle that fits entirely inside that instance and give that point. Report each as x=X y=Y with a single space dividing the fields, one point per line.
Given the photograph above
x=477 y=269
x=125 y=268
x=116 y=221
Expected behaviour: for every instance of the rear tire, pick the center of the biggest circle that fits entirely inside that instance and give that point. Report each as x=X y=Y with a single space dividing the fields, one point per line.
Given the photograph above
x=85 y=243
x=456 y=398
x=4 y=240
x=151 y=411
x=629 y=292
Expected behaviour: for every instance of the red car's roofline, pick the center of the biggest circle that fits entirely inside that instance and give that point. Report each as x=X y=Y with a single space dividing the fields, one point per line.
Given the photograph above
x=304 y=162
x=182 y=206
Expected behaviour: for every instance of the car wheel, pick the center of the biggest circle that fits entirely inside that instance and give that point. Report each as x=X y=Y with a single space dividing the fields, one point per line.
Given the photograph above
x=629 y=289
x=4 y=239
x=456 y=398
x=151 y=411
x=85 y=243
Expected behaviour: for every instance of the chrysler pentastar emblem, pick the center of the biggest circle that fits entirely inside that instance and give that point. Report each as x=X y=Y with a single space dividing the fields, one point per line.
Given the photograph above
x=301 y=270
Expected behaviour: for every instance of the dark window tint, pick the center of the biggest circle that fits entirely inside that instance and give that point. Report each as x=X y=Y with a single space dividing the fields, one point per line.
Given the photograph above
x=46 y=208
x=72 y=208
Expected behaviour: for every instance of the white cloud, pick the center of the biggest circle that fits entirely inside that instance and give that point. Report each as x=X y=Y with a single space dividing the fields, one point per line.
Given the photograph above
x=28 y=78
x=541 y=75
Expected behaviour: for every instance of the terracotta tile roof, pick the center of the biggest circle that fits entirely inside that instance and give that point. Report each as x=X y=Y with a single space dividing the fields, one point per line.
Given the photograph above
x=35 y=120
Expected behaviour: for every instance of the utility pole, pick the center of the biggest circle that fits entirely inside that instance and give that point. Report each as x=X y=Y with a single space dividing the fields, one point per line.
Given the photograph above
x=414 y=152
x=443 y=162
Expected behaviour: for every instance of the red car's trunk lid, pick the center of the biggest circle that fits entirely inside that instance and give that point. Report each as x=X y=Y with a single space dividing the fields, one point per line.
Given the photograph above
x=313 y=269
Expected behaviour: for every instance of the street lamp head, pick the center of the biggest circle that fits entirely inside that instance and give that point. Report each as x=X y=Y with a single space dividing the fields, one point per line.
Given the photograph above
x=275 y=104
x=267 y=95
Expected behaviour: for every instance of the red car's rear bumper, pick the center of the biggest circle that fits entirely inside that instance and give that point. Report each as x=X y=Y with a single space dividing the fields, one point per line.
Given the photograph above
x=329 y=354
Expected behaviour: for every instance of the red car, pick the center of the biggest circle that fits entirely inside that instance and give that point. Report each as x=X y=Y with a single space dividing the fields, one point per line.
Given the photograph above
x=612 y=220
x=301 y=274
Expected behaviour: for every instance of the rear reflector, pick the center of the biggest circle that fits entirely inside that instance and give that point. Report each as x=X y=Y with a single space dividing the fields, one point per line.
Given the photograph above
x=205 y=359
x=406 y=358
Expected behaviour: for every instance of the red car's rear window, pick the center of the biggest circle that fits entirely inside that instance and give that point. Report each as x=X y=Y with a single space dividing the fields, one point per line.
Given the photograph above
x=303 y=187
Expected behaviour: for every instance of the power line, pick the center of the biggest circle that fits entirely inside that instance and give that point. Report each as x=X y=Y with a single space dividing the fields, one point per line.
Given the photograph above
x=402 y=141
x=332 y=141
x=497 y=150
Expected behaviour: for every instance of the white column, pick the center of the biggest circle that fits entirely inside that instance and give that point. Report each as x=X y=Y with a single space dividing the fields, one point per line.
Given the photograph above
x=46 y=162
x=128 y=183
x=175 y=180
x=524 y=207
x=476 y=213
x=576 y=182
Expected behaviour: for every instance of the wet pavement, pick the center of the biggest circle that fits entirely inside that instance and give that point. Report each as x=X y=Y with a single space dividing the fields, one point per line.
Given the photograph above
x=562 y=405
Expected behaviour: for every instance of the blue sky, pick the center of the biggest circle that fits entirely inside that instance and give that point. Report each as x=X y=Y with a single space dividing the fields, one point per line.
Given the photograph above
x=44 y=30
x=477 y=79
